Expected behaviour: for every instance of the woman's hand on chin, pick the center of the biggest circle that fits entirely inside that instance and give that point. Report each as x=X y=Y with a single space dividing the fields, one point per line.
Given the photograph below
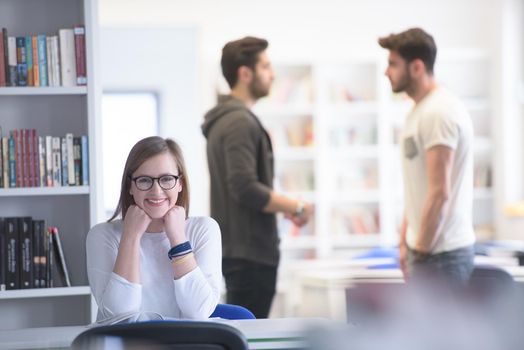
x=175 y=225
x=136 y=221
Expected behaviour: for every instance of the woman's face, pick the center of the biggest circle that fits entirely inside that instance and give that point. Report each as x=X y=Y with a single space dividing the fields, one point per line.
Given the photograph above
x=156 y=201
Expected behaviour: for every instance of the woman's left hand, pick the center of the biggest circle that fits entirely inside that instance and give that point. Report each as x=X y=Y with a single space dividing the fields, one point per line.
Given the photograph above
x=175 y=225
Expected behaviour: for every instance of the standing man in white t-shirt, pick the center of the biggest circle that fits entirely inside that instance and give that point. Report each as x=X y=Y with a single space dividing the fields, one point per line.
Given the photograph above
x=436 y=236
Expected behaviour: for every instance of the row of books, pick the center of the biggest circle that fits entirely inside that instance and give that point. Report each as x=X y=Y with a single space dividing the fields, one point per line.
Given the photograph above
x=297 y=178
x=295 y=133
x=40 y=60
x=29 y=160
x=355 y=221
x=482 y=177
x=354 y=135
x=30 y=255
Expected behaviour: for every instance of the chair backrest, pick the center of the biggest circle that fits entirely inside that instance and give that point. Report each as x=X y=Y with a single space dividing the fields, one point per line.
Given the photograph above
x=194 y=335
x=490 y=281
x=232 y=312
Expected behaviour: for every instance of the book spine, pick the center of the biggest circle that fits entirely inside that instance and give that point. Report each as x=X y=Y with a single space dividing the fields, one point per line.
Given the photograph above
x=80 y=55
x=18 y=158
x=11 y=50
x=70 y=159
x=78 y=160
x=49 y=258
x=57 y=162
x=26 y=153
x=41 y=162
x=42 y=60
x=85 y=161
x=36 y=61
x=55 y=55
x=42 y=233
x=29 y=60
x=21 y=59
x=3 y=255
x=35 y=159
x=25 y=253
x=1 y=161
x=67 y=57
x=36 y=253
x=49 y=160
x=12 y=274
x=65 y=176
x=49 y=65
x=3 y=62
x=5 y=160
x=60 y=257
x=6 y=56
x=12 y=162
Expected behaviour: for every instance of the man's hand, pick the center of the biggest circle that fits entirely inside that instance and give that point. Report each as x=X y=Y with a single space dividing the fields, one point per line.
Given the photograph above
x=403 y=259
x=304 y=217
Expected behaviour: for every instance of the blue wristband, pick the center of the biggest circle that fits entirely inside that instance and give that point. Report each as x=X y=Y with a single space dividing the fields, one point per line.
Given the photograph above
x=180 y=249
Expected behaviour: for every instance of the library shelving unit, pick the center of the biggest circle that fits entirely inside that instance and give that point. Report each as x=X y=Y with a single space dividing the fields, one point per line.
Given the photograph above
x=335 y=129
x=53 y=111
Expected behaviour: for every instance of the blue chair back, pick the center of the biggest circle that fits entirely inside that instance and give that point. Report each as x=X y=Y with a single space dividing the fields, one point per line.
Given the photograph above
x=232 y=312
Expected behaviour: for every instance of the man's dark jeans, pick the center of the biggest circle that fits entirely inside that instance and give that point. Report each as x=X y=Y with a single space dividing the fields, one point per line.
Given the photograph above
x=250 y=284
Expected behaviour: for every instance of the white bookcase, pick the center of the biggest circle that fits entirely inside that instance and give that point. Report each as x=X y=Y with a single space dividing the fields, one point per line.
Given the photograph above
x=335 y=126
x=53 y=111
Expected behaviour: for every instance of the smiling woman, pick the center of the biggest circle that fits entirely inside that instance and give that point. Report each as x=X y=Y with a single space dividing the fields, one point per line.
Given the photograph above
x=156 y=258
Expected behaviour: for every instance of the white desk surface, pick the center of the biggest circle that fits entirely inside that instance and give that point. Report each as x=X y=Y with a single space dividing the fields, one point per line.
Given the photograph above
x=284 y=333
x=349 y=276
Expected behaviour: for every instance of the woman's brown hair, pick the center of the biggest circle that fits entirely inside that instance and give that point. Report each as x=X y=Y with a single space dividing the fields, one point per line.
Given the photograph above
x=142 y=151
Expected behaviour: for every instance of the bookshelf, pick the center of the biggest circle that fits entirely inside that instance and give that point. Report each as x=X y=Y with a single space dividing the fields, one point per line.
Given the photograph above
x=73 y=209
x=343 y=153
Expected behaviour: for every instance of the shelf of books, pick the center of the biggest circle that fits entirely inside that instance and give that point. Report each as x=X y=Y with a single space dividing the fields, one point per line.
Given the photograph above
x=47 y=187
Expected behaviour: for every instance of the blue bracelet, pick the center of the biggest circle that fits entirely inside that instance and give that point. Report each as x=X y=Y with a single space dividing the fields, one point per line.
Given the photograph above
x=180 y=249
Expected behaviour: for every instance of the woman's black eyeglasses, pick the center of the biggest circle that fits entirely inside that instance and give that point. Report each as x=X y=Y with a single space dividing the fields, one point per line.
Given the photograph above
x=145 y=183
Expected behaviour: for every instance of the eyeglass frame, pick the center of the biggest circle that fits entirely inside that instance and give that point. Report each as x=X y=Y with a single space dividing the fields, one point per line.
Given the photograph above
x=177 y=177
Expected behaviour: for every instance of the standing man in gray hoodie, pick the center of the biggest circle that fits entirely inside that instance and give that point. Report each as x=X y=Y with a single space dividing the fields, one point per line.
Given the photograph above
x=240 y=160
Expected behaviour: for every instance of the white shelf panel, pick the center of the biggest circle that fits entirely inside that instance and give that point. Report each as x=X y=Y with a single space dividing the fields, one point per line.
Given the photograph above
x=25 y=91
x=45 y=292
x=298 y=242
x=43 y=191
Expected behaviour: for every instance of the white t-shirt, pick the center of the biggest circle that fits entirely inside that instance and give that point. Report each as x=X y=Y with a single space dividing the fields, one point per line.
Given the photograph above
x=439 y=119
x=193 y=296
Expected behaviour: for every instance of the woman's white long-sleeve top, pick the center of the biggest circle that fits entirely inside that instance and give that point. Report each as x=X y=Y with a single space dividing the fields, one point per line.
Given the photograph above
x=193 y=296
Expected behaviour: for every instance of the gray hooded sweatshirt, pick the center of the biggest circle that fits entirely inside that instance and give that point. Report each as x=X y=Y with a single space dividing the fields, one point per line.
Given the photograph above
x=240 y=160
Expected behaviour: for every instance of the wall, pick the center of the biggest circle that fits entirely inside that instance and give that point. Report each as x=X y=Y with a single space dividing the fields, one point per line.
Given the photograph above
x=164 y=61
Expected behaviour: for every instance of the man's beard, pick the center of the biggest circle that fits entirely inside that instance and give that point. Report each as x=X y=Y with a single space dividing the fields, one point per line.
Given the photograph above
x=404 y=84
x=257 y=89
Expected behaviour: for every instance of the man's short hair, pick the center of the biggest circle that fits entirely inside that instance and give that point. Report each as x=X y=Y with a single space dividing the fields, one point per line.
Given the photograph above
x=412 y=44
x=238 y=53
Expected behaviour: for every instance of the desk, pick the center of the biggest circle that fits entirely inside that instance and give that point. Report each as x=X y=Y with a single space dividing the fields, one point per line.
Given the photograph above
x=282 y=333
x=323 y=292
